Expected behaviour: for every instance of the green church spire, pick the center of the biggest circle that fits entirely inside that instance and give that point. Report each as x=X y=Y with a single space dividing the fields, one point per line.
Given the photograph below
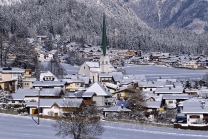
x=104 y=37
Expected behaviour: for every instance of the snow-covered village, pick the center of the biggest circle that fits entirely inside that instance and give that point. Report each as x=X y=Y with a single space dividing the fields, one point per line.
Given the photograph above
x=99 y=69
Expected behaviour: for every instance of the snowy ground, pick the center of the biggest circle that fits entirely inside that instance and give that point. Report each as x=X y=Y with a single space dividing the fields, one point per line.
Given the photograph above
x=17 y=127
x=153 y=72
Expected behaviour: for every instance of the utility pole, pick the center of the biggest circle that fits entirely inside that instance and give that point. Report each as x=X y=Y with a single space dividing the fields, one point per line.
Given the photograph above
x=39 y=105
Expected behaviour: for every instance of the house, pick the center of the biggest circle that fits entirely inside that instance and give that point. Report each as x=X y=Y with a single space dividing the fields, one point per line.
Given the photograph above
x=112 y=87
x=191 y=91
x=9 y=77
x=172 y=100
x=47 y=76
x=105 y=78
x=55 y=107
x=102 y=94
x=151 y=85
x=27 y=82
x=120 y=79
x=152 y=108
x=113 y=112
x=196 y=112
x=189 y=64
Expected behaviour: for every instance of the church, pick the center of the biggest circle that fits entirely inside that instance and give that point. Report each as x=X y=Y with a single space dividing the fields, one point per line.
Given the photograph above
x=93 y=69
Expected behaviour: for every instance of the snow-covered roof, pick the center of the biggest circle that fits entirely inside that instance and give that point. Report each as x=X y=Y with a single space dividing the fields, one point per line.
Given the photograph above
x=93 y=64
x=47 y=73
x=152 y=84
x=49 y=83
x=22 y=93
x=111 y=85
x=176 y=96
x=116 y=109
x=79 y=94
x=153 y=104
x=59 y=102
x=12 y=70
x=198 y=110
x=99 y=89
x=169 y=91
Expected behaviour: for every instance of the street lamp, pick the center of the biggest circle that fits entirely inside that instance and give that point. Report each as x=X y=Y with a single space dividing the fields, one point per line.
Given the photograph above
x=39 y=105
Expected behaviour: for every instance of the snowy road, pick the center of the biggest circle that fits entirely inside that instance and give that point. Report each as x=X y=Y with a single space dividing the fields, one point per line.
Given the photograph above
x=17 y=127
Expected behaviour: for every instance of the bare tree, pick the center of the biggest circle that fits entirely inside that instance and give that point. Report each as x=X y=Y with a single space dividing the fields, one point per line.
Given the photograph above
x=55 y=67
x=205 y=79
x=82 y=123
x=136 y=103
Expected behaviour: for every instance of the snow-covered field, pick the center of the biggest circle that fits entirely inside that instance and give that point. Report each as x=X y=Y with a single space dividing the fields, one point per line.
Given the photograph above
x=151 y=72
x=18 y=127
x=154 y=71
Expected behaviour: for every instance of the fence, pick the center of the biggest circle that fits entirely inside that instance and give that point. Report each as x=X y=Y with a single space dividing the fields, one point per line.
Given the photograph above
x=11 y=111
x=191 y=127
x=143 y=123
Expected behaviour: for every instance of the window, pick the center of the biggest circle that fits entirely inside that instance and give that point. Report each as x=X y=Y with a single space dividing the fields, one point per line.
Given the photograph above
x=194 y=116
x=170 y=102
x=150 y=89
x=106 y=62
x=102 y=62
x=84 y=67
x=76 y=84
x=13 y=101
x=26 y=84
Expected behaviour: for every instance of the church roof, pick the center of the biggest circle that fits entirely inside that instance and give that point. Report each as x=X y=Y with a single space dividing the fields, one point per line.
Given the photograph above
x=93 y=64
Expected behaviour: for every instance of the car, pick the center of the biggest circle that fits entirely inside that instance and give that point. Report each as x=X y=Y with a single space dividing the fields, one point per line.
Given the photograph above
x=181 y=119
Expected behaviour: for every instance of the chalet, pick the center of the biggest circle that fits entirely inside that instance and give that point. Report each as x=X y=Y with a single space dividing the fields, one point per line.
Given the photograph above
x=196 y=112
x=102 y=93
x=9 y=77
x=55 y=107
x=47 y=76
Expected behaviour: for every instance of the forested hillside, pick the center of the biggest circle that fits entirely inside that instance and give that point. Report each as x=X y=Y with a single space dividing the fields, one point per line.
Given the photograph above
x=81 y=20
x=187 y=14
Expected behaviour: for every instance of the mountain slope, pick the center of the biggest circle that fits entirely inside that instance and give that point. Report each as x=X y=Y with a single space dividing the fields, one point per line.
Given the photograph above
x=81 y=20
x=187 y=14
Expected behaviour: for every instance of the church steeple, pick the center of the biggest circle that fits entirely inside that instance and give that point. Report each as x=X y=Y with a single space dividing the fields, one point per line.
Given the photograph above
x=104 y=37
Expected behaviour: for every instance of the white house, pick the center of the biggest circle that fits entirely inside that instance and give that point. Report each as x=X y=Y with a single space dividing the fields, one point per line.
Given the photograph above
x=102 y=94
x=54 y=107
x=47 y=76
x=196 y=112
x=172 y=100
